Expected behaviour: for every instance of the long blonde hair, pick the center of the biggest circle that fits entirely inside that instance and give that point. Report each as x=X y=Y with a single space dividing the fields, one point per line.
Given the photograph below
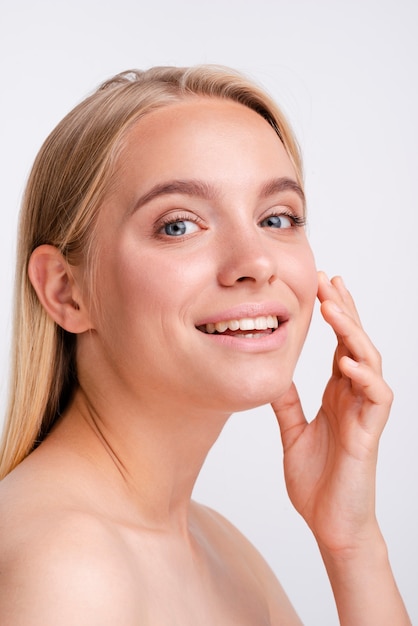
x=70 y=177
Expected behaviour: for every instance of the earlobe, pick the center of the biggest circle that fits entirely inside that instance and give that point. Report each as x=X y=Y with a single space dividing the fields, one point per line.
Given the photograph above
x=57 y=290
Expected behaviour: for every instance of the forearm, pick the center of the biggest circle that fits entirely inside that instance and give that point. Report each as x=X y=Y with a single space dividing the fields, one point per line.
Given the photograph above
x=364 y=588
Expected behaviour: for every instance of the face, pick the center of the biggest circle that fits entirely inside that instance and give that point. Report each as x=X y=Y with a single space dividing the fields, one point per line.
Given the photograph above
x=206 y=281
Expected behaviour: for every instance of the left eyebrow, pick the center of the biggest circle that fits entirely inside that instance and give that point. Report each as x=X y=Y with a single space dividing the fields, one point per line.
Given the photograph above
x=201 y=189
x=278 y=185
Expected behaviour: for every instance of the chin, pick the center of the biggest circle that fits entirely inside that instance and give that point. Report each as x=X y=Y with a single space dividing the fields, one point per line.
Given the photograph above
x=256 y=393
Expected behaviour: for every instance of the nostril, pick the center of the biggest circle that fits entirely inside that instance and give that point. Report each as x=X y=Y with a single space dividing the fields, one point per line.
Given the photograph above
x=247 y=268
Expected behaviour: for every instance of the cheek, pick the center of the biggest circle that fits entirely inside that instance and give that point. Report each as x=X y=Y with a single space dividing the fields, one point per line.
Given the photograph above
x=305 y=278
x=141 y=285
x=304 y=285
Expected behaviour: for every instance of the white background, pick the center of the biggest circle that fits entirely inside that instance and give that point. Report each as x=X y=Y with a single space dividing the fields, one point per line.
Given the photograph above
x=346 y=74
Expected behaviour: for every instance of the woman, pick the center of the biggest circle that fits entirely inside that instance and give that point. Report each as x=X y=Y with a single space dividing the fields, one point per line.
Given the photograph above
x=165 y=281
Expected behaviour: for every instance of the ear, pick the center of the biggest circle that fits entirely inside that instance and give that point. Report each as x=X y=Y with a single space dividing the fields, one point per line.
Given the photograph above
x=57 y=289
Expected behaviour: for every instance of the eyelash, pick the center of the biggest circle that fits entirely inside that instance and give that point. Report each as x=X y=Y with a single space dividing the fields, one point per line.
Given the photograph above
x=297 y=220
x=172 y=219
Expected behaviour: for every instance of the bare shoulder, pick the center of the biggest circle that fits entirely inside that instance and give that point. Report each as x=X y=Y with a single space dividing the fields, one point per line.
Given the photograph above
x=243 y=556
x=59 y=566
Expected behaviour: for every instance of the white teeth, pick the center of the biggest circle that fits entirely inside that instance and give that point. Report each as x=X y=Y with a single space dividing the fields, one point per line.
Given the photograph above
x=272 y=321
x=247 y=323
x=263 y=322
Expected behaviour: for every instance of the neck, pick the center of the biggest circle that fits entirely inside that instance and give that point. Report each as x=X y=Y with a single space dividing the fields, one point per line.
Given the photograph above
x=152 y=457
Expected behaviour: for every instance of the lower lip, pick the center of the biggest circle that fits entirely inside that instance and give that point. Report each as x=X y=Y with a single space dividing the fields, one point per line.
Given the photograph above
x=264 y=343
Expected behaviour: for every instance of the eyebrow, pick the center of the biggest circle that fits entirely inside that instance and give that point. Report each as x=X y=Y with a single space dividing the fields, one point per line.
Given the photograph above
x=206 y=191
x=278 y=185
x=195 y=188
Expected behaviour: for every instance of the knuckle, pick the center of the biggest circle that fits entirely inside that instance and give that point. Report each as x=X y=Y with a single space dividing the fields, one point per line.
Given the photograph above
x=390 y=395
x=387 y=394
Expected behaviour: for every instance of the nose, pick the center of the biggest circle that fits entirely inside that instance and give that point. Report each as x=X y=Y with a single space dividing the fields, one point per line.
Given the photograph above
x=248 y=258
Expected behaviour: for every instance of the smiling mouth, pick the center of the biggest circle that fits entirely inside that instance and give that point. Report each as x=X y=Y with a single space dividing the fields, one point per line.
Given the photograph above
x=247 y=327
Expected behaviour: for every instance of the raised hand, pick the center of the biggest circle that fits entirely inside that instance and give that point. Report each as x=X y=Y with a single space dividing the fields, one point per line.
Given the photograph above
x=330 y=468
x=330 y=463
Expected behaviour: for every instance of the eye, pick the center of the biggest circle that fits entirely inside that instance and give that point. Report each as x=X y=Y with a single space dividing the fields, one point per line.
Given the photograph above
x=179 y=227
x=278 y=221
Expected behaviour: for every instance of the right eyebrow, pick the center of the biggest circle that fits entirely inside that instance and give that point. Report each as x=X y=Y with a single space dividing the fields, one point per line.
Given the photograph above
x=195 y=188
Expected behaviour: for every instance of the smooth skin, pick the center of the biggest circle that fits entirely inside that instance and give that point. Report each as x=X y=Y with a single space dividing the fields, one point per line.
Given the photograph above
x=97 y=526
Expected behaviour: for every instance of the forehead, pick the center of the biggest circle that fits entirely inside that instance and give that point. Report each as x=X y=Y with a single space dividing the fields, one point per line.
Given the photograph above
x=192 y=110
x=204 y=131
x=220 y=143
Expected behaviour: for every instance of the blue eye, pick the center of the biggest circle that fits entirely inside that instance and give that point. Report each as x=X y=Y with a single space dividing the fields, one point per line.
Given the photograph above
x=179 y=228
x=277 y=221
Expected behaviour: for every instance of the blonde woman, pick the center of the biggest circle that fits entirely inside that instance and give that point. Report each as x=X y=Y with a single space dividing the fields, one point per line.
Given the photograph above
x=165 y=281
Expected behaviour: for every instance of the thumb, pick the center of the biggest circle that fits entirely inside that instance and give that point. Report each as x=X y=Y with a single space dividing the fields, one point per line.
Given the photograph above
x=290 y=416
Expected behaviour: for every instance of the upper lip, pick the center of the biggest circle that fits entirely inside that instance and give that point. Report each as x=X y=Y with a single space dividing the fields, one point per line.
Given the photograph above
x=250 y=309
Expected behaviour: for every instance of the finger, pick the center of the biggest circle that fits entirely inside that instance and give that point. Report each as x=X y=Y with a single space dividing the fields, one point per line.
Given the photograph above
x=336 y=291
x=372 y=387
x=340 y=351
x=352 y=339
x=290 y=416
x=346 y=299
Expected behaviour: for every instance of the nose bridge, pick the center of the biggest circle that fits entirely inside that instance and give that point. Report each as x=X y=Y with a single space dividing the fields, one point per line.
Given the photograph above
x=247 y=254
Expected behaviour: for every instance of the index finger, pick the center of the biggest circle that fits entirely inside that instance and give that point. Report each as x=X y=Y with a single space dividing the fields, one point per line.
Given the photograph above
x=336 y=291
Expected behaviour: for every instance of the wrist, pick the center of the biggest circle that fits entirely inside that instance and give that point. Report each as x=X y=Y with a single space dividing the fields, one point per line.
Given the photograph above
x=368 y=547
x=363 y=584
